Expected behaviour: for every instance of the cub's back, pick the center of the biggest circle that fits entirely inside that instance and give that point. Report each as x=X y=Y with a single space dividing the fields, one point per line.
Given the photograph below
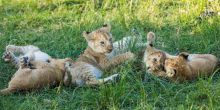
x=203 y=63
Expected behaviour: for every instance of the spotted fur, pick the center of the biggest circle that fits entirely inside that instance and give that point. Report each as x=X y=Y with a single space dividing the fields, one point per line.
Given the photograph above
x=87 y=70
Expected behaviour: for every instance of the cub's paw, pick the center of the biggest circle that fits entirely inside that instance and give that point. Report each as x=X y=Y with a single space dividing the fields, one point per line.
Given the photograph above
x=130 y=55
x=24 y=62
x=115 y=77
x=7 y=56
x=135 y=31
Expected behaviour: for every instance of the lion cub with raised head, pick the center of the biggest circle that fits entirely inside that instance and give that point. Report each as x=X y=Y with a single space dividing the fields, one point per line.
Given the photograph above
x=43 y=75
x=87 y=70
x=189 y=66
x=154 y=58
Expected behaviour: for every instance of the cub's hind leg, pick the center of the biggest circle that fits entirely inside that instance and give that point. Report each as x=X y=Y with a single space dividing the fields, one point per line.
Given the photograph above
x=93 y=81
x=81 y=73
x=25 y=62
x=117 y=60
x=8 y=56
x=7 y=91
x=30 y=56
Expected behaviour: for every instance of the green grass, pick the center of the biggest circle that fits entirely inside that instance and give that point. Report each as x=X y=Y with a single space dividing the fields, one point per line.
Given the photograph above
x=56 y=27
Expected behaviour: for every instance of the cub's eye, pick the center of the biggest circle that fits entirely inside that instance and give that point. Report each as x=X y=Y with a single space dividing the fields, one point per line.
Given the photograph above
x=154 y=59
x=102 y=42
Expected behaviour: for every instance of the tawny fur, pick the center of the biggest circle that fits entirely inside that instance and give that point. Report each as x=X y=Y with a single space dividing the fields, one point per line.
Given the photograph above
x=43 y=75
x=154 y=58
x=29 y=51
x=88 y=67
x=190 y=66
x=219 y=63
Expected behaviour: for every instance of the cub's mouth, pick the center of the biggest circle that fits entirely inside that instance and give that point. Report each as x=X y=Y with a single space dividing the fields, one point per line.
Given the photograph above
x=109 y=51
x=6 y=60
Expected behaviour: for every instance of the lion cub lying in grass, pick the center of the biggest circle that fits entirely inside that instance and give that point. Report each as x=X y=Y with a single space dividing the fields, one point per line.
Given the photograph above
x=87 y=70
x=31 y=52
x=182 y=67
x=189 y=66
x=42 y=75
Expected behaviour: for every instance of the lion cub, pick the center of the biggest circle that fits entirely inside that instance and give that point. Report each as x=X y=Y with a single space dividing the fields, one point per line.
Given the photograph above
x=189 y=66
x=43 y=75
x=31 y=52
x=87 y=69
x=154 y=58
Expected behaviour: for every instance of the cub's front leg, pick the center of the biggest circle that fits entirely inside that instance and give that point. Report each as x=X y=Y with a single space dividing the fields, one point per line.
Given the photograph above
x=8 y=56
x=92 y=81
x=117 y=60
x=26 y=63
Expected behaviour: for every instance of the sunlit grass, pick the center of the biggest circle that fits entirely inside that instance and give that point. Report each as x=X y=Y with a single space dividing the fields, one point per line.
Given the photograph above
x=56 y=27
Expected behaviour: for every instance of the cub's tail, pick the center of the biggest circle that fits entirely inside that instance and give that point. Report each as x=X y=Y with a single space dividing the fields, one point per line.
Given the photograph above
x=7 y=91
x=150 y=38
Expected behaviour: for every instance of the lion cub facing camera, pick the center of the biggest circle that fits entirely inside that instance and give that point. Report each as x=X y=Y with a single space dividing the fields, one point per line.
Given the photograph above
x=87 y=69
x=189 y=66
x=154 y=58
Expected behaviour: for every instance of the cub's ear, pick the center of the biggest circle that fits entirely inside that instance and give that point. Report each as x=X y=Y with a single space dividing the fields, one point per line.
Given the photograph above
x=150 y=38
x=86 y=35
x=68 y=59
x=184 y=55
x=106 y=28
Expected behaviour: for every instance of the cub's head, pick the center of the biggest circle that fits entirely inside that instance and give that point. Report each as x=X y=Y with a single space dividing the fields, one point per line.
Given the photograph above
x=175 y=66
x=100 y=40
x=153 y=57
x=155 y=62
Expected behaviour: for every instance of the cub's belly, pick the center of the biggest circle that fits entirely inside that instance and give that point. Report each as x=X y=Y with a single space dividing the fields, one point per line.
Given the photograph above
x=80 y=69
x=82 y=72
x=94 y=70
x=41 y=56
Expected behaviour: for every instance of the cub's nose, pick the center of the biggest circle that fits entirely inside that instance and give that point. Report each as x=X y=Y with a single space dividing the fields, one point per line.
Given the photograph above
x=110 y=49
